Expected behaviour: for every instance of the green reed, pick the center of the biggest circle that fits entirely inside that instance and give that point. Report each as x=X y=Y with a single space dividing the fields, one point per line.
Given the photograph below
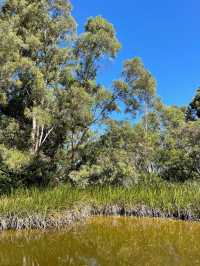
x=166 y=197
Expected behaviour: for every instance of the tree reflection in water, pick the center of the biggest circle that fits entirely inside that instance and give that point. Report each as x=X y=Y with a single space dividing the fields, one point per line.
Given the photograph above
x=106 y=241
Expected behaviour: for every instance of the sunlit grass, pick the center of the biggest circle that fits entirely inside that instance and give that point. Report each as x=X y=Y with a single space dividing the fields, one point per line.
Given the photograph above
x=165 y=197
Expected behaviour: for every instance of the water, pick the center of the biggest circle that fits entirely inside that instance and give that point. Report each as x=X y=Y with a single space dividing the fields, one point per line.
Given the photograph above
x=106 y=241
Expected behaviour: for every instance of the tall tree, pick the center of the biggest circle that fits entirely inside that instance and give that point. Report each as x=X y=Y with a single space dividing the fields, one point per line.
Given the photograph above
x=90 y=103
x=137 y=88
x=49 y=98
x=32 y=62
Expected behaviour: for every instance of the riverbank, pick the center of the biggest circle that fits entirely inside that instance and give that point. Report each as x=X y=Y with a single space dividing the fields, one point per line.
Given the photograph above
x=64 y=205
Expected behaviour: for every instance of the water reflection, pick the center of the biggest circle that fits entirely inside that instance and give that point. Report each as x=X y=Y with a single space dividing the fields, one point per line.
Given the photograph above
x=106 y=241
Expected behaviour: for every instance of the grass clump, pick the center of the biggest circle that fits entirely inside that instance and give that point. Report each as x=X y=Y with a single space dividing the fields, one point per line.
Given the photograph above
x=168 y=198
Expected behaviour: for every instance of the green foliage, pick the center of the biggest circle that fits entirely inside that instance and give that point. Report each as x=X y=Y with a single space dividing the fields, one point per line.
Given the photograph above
x=95 y=43
x=112 y=162
x=49 y=99
x=172 y=117
x=165 y=197
x=138 y=87
x=56 y=120
x=31 y=65
x=14 y=159
x=179 y=156
x=193 y=110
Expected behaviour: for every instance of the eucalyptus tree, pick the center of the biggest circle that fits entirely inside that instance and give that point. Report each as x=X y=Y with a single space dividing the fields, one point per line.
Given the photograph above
x=49 y=98
x=88 y=104
x=137 y=89
x=31 y=65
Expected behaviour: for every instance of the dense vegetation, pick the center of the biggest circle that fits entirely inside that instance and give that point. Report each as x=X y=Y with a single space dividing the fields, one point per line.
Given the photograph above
x=165 y=200
x=56 y=120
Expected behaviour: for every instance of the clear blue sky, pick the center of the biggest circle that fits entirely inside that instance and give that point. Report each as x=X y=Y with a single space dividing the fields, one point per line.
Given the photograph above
x=165 y=34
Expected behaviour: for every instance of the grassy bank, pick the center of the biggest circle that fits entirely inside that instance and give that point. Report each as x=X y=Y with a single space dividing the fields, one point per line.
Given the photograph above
x=166 y=198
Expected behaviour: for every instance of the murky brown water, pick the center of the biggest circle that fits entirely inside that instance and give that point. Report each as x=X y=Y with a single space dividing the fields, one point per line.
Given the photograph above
x=106 y=241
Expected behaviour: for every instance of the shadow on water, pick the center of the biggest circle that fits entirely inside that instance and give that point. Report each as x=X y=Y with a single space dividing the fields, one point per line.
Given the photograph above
x=106 y=241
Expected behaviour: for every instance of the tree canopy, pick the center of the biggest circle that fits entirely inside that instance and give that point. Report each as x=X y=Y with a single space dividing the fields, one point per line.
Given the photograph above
x=52 y=107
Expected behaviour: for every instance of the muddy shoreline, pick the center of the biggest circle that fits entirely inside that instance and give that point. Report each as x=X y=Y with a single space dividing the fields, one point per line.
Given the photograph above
x=68 y=217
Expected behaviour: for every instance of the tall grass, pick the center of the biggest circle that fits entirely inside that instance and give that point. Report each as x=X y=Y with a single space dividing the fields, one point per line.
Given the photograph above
x=163 y=196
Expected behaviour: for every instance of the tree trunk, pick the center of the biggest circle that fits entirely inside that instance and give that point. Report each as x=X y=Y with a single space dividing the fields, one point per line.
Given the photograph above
x=33 y=134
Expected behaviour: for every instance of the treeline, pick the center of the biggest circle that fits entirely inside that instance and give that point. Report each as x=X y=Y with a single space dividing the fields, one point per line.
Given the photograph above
x=51 y=106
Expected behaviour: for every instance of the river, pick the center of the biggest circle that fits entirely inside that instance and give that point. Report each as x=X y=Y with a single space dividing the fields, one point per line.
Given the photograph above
x=106 y=241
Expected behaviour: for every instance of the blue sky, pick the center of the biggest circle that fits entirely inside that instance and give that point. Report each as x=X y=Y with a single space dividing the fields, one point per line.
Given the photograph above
x=165 y=34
